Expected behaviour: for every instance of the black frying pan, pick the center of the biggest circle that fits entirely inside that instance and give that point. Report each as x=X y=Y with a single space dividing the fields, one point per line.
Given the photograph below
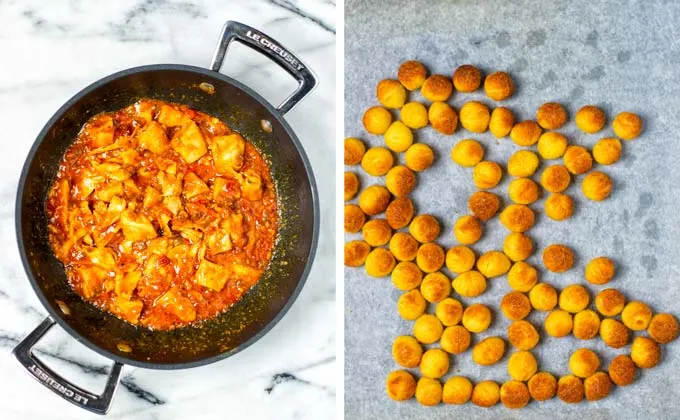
x=261 y=308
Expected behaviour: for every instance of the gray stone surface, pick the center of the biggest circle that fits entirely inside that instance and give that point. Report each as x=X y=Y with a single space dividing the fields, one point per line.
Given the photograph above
x=619 y=55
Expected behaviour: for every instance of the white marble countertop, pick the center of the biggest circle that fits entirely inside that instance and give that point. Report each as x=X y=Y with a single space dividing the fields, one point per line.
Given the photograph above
x=51 y=50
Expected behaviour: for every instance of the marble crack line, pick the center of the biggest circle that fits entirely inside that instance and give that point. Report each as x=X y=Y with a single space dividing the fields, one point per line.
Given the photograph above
x=288 y=5
x=141 y=393
x=279 y=378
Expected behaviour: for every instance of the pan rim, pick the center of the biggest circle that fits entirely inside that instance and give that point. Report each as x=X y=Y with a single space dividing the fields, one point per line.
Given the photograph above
x=54 y=314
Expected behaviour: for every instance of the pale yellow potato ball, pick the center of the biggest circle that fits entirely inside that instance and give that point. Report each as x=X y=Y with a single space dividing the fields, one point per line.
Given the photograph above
x=523 y=335
x=577 y=160
x=488 y=351
x=486 y=394
x=425 y=228
x=613 y=333
x=583 y=362
x=523 y=163
x=474 y=116
x=411 y=305
x=610 y=302
x=419 y=157
x=559 y=206
x=501 y=122
x=469 y=284
x=558 y=323
x=414 y=115
x=467 y=230
x=627 y=125
x=377 y=161
x=607 y=151
x=406 y=276
x=379 y=263
x=522 y=365
x=600 y=270
x=376 y=120
x=400 y=385
x=517 y=218
x=437 y=88
x=455 y=339
x=645 y=352
x=449 y=311
x=590 y=119
x=403 y=246
x=412 y=74
x=493 y=264
x=406 y=351
x=376 y=232
x=523 y=190
x=443 y=118
x=552 y=145
x=467 y=153
x=586 y=324
x=476 y=318
x=460 y=259
x=596 y=186
x=435 y=287
x=457 y=390
x=430 y=257
x=398 y=137
x=391 y=93
x=574 y=298
x=354 y=151
x=400 y=181
x=427 y=329
x=434 y=363
x=499 y=86
x=551 y=116
x=486 y=174
x=467 y=78
x=543 y=297
x=428 y=391
x=636 y=315
x=526 y=133
x=374 y=200
x=518 y=246
x=555 y=178
x=522 y=276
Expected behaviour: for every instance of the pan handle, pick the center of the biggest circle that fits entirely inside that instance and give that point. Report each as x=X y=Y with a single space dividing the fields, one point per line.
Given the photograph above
x=98 y=404
x=235 y=31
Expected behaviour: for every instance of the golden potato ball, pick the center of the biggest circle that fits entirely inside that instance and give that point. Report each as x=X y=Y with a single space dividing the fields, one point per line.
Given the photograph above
x=351 y=185
x=354 y=151
x=455 y=339
x=449 y=311
x=407 y=351
x=443 y=118
x=622 y=370
x=400 y=181
x=523 y=190
x=522 y=276
x=501 y=122
x=543 y=297
x=627 y=125
x=610 y=302
x=425 y=228
x=469 y=284
x=574 y=298
x=412 y=74
x=399 y=212
x=419 y=157
x=517 y=218
x=597 y=386
x=377 y=120
x=457 y=390
x=411 y=305
x=596 y=186
x=379 y=262
x=542 y=386
x=430 y=257
x=374 y=200
x=391 y=93
x=523 y=335
x=515 y=306
x=356 y=253
x=613 y=333
x=427 y=329
x=551 y=116
x=522 y=163
x=376 y=232
x=590 y=119
x=467 y=230
x=514 y=394
x=522 y=365
x=398 y=137
x=552 y=145
x=555 y=178
x=636 y=315
x=645 y=352
x=406 y=276
x=484 y=205
x=570 y=389
x=476 y=318
x=526 y=133
x=600 y=270
x=499 y=86
x=474 y=116
x=403 y=246
x=583 y=362
x=518 y=246
x=467 y=78
x=435 y=287
x=437 y=88
x=607 y=151
x=377 y=161
x=428 y=391
x=354 y=218
x=493 y=264
x=414 y=115
x=467 y=153
x=663 y=328
x=488 y=351
x=434 y=363
x=400 y=385
x=559 y=206
x=558 y=323
x=486 y=174
x=586 y=325
x=558 y=258
x=577 y=160
x=486 y=394
x=460 y=259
